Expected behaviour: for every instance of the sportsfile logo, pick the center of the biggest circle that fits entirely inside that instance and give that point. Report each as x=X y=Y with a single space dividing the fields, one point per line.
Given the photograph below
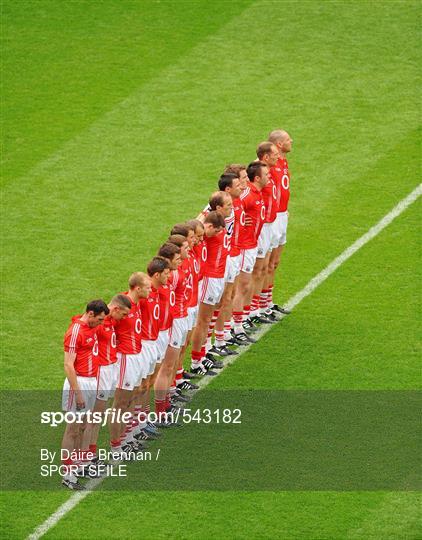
x=57 y=418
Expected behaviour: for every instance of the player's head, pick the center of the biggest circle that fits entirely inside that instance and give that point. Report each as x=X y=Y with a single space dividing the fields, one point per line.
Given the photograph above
x=230 y=183
x=185 y=230
x=198 y=227
x=171 y=252
x=258 y=173
x=181 y=242
x=95 y=312
x=140 y=285
x=240 y=171
x=159 y=271
x=282 y=140
x=221 y=202
x=213 y=224
x=267 y=152
x=119 y=307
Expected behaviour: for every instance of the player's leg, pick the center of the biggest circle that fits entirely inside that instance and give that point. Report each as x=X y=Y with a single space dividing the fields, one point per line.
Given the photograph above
x=259 y=275
x=242 y=295
x=226 y=307
x=199 y=337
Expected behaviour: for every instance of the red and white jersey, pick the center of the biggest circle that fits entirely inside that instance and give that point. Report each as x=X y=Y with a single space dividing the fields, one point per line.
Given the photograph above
x=167 y=300
x=201 y=252
x=253 y=205
x=195 y=263
x=269 y=194
x=229 y=223
x=107 y=342
x=239 y=222
x=128 y=330
x=82 y=340
x=218 y=248
x=178 y=282
x=281 y=177
x=150 y=313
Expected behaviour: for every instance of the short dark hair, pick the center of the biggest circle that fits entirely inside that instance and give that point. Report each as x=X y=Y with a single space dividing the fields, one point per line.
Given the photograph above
x=195 y=223
x=234 y=168
x=121 y=300
x=226 y=180
x=157 y=264
x=215 y=219
x=181 y=228
x=97 y=307
x=264 y=148
x=254 y=169
x=168 y=251
x=176 y=239
x=217 y=199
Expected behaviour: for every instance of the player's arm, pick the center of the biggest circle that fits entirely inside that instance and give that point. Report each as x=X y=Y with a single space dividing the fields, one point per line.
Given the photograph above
x=69 y=369
x=201 y=217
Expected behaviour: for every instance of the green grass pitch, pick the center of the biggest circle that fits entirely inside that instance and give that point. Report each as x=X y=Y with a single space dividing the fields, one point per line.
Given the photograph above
x=117 y=118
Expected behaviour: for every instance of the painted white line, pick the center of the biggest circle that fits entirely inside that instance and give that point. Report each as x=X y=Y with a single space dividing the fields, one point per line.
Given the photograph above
x=76 y=498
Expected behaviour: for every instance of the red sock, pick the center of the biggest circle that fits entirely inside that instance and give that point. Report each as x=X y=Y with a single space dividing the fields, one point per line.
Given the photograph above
x=93 y=449
x=160 y=406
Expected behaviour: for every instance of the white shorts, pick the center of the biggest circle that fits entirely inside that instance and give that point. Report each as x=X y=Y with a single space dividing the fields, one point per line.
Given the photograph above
x=211 y=290
x=264 y=241
x=107 y=378
x=178 y=332
x=283 y=220
x=162 y=344
x=275 y=235
x=232 y=268
x=248 y=258
x=88 y=386
x=130 y=373
x=149 y=357
x=192 y=317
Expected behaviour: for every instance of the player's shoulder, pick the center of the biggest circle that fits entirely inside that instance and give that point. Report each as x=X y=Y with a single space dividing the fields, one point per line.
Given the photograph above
x=245 y=193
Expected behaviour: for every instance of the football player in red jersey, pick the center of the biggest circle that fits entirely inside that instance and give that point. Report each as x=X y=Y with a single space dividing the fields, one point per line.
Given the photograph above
x=80 y=385
x=159 y=271
x=267 y=153
x=229 y=183
x=169 y=354
x=108 y=369
x=254 y=208
x=281 y=176
x=211 y=286
x=129 y=346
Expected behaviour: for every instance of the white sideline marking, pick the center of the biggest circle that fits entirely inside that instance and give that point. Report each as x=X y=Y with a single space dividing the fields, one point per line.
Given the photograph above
x=76 y=498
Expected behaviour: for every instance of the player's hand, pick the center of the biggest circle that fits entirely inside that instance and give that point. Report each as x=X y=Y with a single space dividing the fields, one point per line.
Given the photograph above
x=80 y=402
x=248 y=221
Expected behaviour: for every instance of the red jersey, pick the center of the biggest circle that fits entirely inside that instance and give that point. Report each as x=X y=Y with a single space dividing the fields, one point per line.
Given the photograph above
x=167 y=300
x=82 y=340
x=150 y=313
x=281 y=176
x=217 y=251
x=239 y=223
x=178 y=283
x=269 y=194
x=195 y=270
x=107 y=342
x=128 y=331
x=201 y=252
x=253 y=205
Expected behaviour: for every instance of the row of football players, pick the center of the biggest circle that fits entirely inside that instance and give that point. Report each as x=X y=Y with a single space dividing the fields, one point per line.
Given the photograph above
x=213 y=278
